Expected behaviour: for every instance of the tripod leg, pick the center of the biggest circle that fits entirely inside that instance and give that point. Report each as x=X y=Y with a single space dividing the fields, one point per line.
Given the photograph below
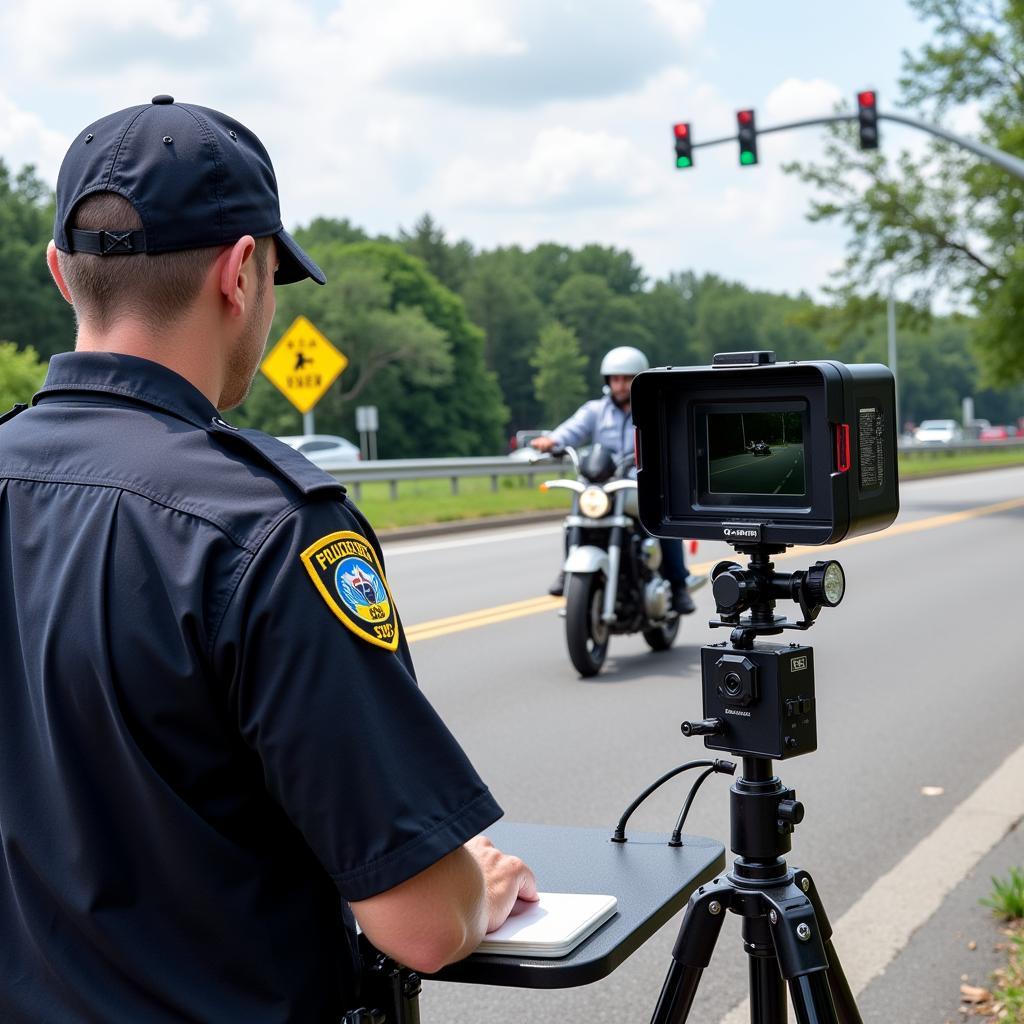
x=846 y=1008
x=692 y=951
x=767 y=993
x=812 y=999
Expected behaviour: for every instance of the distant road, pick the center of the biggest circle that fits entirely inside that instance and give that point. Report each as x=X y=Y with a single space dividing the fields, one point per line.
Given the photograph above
x=781 y=472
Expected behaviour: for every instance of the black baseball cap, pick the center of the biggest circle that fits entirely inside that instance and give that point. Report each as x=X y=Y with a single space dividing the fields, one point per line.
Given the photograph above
x=196 y=177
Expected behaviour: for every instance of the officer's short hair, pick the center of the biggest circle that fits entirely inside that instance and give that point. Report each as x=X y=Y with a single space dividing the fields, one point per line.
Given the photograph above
x=156 y=289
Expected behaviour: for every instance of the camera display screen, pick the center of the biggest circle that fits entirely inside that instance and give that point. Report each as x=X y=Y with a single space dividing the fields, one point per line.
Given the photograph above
x=756 y=452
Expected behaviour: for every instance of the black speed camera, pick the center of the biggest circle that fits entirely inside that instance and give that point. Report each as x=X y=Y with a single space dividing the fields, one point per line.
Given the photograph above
x=751 y=451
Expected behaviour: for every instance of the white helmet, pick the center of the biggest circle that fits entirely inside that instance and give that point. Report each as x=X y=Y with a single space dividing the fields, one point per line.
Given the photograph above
x=625 y=361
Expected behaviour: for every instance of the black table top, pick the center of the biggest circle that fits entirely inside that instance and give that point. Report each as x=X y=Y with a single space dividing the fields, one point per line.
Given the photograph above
x=651 y=880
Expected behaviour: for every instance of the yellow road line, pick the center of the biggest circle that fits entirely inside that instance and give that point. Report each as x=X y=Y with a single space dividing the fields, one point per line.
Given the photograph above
x=535 y=605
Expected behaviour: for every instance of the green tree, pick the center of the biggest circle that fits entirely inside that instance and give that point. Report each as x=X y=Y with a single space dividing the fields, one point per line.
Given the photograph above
x=32 y=311
x=560 y=380
x=668 y=314
x=600 y=319
x=447 y=262
x=21 y=374
x=500 y=301
x=413 y=353
x=617 y=266
x=948 y=223
x=325 y=230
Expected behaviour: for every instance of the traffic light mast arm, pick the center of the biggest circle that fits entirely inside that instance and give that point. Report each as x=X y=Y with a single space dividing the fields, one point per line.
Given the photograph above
x=1013 y=165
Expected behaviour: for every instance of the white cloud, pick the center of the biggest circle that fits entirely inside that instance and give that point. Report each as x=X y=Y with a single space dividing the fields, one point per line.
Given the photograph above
x=686 y=19
x=52 y=33
x=563 y=166
x=25 y=139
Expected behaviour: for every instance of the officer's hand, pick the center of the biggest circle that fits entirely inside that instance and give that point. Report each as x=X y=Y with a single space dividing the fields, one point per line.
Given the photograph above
x=507 y=879
x=543 y=444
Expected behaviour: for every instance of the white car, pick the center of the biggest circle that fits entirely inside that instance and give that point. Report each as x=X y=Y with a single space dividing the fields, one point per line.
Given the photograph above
x=933 y=432
x=324 y=450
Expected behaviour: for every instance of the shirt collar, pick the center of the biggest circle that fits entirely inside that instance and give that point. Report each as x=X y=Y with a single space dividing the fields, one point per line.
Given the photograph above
x=112 y=373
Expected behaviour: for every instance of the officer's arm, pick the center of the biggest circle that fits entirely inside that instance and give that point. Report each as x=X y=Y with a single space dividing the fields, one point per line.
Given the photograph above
x=440 y=915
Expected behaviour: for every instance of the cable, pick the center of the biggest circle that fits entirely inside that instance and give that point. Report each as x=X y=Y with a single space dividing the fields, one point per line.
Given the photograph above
x=677 y=833
x=728 y=767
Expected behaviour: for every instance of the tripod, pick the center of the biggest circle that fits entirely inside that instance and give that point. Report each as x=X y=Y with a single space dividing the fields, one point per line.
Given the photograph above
x=759 y=704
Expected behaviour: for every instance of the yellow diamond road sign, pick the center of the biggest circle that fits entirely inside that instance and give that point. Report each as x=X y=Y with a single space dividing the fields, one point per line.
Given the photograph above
x=303 y=364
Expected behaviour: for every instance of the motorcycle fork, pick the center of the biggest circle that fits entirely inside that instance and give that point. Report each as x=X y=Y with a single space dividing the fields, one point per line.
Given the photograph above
x=614 y=560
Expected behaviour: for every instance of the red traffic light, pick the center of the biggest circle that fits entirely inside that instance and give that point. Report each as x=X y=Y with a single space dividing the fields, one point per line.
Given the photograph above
x=745 y=116
x=866 y=98
x=681 y=130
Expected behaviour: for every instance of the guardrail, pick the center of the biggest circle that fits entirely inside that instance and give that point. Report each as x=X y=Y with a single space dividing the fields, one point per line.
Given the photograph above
x=393 y=471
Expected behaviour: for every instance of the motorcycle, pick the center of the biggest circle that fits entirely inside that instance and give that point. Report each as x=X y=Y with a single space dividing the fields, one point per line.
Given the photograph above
x=612 y=582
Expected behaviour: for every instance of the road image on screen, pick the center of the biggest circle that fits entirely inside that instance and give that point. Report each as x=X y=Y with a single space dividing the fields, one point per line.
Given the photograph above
x=756 y=453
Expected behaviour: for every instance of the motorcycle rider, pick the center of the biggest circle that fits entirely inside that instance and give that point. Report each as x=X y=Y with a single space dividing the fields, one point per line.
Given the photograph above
x=609 y=421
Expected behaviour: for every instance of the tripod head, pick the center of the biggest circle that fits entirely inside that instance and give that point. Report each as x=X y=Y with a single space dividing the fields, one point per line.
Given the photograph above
x=757 y=588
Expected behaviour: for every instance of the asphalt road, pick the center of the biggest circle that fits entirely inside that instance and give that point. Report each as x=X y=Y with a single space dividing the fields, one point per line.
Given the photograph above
x=919 y=679
x=779 y=472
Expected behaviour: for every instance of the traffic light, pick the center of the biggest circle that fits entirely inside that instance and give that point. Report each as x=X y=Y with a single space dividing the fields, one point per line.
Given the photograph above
x=684 y=150
x=747 y=134
x=867 y=115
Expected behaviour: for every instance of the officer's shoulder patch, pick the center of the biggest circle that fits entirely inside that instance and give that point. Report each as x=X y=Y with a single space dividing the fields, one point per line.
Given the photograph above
x=344 y=568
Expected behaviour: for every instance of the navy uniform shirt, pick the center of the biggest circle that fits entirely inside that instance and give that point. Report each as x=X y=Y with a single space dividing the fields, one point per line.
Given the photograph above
x=211 y=735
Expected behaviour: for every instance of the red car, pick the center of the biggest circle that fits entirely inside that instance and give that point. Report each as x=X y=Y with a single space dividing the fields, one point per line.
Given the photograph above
x=996 y=433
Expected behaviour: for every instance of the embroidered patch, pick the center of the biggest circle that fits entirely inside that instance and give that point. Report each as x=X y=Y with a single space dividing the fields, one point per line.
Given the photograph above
x=345 y=570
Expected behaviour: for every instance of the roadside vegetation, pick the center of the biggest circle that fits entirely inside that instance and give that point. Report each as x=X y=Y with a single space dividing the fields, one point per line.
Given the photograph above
x=1004 y=1002
x=936 y=462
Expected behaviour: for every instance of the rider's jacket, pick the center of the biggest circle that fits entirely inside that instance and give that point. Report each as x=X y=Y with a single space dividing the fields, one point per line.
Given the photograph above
x=599 y=421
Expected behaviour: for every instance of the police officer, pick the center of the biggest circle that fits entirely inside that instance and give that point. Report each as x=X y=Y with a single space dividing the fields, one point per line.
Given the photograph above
x=210 y=724
x=608 y=421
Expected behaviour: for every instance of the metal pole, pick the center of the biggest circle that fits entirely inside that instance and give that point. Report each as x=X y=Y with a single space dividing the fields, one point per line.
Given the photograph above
x=308 y=427
x=1011 y=164
x=892 y=358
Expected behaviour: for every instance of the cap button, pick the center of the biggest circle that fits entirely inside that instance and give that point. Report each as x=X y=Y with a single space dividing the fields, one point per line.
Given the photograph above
x=162 y=99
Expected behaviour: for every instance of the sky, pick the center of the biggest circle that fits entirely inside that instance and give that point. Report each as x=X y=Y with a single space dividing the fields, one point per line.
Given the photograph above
x=509 y=121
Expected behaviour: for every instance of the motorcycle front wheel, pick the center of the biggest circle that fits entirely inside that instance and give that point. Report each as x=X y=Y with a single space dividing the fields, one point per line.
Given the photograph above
x=663 y=636
x=585 y=634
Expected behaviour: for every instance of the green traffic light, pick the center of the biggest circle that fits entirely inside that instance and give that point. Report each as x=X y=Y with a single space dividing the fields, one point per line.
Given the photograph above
x=683 y=161
x=747 y=158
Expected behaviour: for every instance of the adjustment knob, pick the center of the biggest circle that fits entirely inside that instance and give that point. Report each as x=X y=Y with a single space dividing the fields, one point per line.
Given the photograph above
x=791 y=811
x=705 y=727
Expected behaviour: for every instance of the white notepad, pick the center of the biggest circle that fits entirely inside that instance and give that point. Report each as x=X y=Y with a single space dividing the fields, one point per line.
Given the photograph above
x=553 y=926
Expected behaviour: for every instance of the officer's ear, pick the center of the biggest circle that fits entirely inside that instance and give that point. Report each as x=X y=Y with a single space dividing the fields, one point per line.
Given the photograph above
x=236 y=274
x=53 y=262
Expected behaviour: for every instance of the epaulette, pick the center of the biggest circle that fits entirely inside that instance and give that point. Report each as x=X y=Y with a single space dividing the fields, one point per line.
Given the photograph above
x=285 y=460
x=11 y=413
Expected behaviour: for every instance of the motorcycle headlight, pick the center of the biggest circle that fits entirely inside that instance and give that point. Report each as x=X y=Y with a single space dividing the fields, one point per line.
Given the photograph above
x=594 y=503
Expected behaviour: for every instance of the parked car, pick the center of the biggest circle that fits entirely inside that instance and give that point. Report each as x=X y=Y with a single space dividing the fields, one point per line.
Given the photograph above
x=997 y=433
x=327 y=451
x=935 y=432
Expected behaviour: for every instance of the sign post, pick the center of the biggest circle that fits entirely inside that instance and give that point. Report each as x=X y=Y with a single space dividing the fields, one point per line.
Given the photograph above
x=367 y=424
x=302 y=366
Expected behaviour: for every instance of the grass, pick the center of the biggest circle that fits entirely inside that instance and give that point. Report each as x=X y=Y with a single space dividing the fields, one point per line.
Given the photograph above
x=937 y=462
x=1005 y=1002
x=431 y=501
x=1007 y=899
